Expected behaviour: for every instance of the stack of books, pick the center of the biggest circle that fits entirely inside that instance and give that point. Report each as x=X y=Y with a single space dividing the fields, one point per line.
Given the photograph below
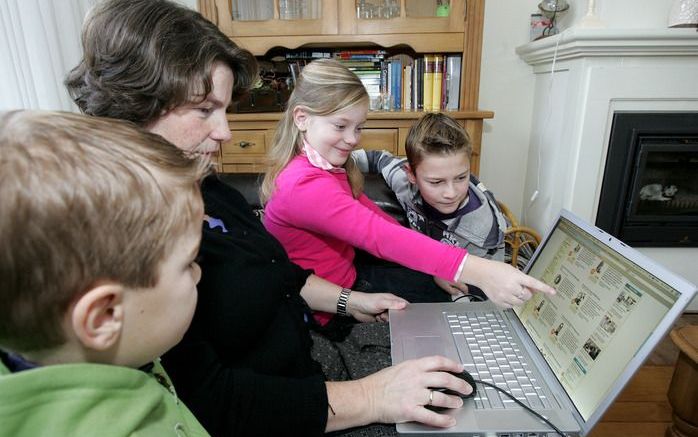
x=428 y=83
x=434 y=83
x=297 y=60
x=396 y=83
x=368 y=66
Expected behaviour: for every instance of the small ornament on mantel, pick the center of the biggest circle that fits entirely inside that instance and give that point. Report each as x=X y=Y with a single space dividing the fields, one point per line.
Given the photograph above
x=684 y=13
x=590 y=20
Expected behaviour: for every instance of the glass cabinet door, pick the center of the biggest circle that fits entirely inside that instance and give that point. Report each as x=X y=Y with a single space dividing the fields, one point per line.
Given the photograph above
x=401 y=16
x=299 y=9
x=427 y=8
x=269 y=18
x=377 y=9
x=252 y=10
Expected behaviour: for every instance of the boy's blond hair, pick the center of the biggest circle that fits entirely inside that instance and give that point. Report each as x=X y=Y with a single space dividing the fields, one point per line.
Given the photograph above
x=85 y=200
x=435 y=134
x=325 y=87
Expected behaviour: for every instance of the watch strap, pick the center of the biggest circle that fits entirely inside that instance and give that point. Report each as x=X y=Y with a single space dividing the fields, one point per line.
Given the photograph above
x=342 y=301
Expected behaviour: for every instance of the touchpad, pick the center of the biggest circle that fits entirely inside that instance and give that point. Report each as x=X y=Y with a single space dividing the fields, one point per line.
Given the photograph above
x=518 y=420
x=417 y=347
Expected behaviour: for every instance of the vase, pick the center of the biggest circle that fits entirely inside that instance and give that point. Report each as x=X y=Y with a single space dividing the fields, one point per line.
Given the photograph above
x=684 y=13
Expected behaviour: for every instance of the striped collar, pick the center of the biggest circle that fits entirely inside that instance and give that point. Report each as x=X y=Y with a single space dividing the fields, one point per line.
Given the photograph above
x=316 y=160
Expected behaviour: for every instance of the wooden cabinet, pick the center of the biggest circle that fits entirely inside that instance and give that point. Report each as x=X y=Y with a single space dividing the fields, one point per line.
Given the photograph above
x=380 y=139
x=252 y=135
x=341 y=23
x=340 y=18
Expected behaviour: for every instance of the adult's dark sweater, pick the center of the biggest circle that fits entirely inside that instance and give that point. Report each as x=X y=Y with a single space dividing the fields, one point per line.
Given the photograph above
x=244 y=366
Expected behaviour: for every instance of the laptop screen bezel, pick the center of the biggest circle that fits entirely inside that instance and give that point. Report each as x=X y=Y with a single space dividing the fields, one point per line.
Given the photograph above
x=685 y=289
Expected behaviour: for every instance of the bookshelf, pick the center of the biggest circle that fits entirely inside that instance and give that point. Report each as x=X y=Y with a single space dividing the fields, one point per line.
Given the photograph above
x=341 y=25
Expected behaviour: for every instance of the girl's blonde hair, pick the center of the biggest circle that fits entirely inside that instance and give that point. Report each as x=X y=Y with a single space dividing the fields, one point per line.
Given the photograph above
x=325 y=87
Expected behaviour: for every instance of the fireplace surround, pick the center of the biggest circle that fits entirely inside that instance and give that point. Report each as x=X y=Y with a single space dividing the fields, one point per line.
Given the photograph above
x=583 y=77
x=649 y=193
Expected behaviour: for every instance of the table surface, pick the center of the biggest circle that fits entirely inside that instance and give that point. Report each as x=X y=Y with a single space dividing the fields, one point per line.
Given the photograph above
x=686 y=339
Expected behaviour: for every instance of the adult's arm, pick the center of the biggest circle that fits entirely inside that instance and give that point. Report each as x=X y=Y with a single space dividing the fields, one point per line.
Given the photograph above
x=322 y=295
x=397 y=394
x=229 y=401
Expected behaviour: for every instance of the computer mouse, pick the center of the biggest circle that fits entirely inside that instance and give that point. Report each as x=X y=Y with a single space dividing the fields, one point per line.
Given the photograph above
x=467 y=377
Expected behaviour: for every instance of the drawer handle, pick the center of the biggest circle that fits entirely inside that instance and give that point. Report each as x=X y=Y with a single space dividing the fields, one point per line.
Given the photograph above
x=245 y=144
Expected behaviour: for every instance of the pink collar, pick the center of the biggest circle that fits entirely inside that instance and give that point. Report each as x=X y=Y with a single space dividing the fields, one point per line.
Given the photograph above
x=316 y=160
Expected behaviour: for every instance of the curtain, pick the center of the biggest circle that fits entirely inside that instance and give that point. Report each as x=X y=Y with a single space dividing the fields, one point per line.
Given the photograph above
x=39 y=44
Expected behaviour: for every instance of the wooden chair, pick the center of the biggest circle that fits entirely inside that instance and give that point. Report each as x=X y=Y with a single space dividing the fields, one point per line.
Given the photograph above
x=520 y=241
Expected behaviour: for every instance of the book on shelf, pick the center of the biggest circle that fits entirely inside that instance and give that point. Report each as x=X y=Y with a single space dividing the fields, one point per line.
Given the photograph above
x=437 y=82
x=308 y=55
x=444 y=83
x=407 y=87
x=360 y=54
x=360 y=65
x=397 y=84
x=453 y=66
x=371 y=79
x=418 y=85
x=428 y=86
x=400 y=85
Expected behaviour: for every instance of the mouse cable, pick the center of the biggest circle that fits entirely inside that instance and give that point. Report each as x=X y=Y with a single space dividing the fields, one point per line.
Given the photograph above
x=470 y=297
x=546 y=421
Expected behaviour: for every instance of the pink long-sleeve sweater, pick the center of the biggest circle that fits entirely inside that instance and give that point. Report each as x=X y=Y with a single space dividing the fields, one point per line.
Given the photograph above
x=314 y=216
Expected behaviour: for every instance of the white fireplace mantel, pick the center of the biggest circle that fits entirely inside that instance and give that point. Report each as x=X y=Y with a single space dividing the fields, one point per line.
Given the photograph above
x=582 y=76
x=584 y=43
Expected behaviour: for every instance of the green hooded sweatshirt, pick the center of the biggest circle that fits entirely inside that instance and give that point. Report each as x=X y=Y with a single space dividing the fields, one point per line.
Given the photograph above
x=92 y=400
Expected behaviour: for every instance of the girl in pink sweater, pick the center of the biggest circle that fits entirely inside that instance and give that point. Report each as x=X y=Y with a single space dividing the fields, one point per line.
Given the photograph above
x=316 y=209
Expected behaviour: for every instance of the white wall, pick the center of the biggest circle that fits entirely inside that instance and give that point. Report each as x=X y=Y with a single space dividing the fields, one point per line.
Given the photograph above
x=506 y=87
x=507 y=82
x=625 y=14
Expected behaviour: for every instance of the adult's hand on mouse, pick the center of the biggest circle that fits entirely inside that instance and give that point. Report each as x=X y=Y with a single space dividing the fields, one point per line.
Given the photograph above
x=373 y=307
x=503 y=284
x=402 y=392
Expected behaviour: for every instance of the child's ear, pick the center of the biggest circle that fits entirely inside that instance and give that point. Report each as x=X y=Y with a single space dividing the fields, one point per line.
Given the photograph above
x=410 y=174
x=300 y=118
x=98 y=316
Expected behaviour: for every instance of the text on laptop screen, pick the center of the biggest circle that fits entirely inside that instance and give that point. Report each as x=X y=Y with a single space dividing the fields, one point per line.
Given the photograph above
x=572 y=330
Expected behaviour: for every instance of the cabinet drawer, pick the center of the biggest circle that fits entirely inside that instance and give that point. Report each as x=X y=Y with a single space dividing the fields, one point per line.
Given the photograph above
x=379 y=139
x=245 y=142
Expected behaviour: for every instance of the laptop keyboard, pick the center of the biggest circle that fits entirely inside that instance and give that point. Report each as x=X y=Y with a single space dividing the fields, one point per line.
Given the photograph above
x=496 y=359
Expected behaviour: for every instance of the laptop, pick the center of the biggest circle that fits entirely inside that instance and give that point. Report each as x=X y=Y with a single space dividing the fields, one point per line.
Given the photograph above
x=566 y=356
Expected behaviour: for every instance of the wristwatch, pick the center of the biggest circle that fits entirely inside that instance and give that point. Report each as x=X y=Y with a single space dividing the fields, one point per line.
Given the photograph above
x=342 y=301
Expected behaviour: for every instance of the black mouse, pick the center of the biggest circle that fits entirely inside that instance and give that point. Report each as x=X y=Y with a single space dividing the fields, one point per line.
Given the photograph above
x=467 y=377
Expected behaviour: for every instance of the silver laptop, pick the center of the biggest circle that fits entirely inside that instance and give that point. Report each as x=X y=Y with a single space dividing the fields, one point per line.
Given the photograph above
x=566 y=356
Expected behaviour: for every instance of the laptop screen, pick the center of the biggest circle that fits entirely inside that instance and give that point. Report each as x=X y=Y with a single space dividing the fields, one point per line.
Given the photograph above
x=605 y=308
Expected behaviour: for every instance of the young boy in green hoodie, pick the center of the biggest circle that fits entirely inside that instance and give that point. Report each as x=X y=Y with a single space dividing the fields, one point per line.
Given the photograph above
x=100 y=228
